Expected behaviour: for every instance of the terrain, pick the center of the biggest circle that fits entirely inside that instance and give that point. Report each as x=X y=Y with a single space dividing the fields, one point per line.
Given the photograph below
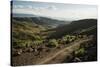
x=41 y=40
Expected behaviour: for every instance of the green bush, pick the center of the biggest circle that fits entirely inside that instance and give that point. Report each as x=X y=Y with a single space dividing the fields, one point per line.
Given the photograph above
x=21 y=43
x=37 y=42
x=36 y=37
x=53 y=42
x=68 y=38
x=80 y=52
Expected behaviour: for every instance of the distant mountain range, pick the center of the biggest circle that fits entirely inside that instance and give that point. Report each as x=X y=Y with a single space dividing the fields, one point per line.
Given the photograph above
x=23 y=15
x=87 y=26
x=27 y=28
x=39 y=20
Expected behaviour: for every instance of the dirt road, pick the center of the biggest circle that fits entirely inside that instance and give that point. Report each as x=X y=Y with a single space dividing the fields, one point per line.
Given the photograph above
x=62 y=54
x=51 y=57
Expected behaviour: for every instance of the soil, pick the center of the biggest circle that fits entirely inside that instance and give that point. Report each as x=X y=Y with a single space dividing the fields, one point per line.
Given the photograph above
x=50 y=56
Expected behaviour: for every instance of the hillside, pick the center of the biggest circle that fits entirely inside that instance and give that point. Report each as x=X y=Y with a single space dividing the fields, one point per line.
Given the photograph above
x=36 y=41
x=76 y=27
x=44 y=21
x=28 y=29
x=25 y=32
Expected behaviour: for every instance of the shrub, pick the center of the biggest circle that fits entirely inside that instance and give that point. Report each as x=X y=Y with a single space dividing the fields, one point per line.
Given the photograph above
x=70 y=40
x=64 y=39
x=37 y=37
x=37 y=42
x=53 y=42
x=80 y=52
x=21 y=43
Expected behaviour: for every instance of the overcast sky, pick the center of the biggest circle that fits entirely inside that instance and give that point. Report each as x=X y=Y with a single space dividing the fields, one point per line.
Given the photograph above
x=55 y=10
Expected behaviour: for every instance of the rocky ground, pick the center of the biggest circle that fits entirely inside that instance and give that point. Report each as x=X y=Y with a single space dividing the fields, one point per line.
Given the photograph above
x=61 y=54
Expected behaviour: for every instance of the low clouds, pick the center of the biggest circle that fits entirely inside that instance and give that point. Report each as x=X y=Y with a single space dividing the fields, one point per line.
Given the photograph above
x=22 y=6
x=50 y=7
x=18 y=6
x=70 y=11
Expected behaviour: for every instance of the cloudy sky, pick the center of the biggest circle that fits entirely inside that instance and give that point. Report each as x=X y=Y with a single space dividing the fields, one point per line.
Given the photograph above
x=55 y=10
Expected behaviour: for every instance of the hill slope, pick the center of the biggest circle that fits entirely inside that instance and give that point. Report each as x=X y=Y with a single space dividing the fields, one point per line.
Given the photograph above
x=47 y=22
x=75 y=27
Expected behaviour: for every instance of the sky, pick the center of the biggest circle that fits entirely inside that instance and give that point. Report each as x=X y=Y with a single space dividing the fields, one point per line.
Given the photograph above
x=55 y=10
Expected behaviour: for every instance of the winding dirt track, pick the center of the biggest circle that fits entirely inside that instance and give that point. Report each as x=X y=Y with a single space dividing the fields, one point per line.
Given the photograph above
x=52 y=57
x=61 y=54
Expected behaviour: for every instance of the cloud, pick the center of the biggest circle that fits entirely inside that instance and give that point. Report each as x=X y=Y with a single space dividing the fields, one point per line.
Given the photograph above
x=18 y=6
x=23 y=6
x=29 y=6
x=52 y=8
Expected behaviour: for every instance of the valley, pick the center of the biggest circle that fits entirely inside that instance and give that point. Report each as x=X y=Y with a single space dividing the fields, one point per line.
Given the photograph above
x=39 y=40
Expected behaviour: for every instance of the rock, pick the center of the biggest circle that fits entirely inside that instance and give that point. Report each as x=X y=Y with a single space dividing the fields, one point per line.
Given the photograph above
x=16 y=52
x=30 y=49
x=76 y=59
